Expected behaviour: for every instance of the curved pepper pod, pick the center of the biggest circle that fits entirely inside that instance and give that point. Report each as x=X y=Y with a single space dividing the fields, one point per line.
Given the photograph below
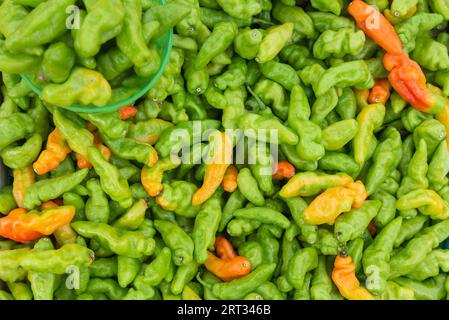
x=274 y=41
x=377 y=256
x=428 y=202
x=360 y=193
x=326 y=207
x=239 y=288
x=55 y=153
x=205 y=228
x=177 y=196
x=247 y=43
x=228 y=269
x=343 y=275
x=229 y=183
x=376 y=26
x=132 y=244
x=22 y=226
x=338 y=43
x=131 y=149
x=49 y=189
x=111 y=181
x=407 y=78
x=347 y=74
x=41 y=26
x=102 y=23
x=221 y=38
x=430 y=267
x=151 y=177
x=418 y=248
x=409 y=30
x=303 y=261
x=264 y=215
x=148 y=131
x=241 y=9
x=311 y=183
x=84 y=86
x=15 y=127
x=218 y=160
x=177 y=240
x=380 y=93
x=369 y=119
x=325 y=6
x=23 y=179
x=57 y=261
x=416 y=177
x=385 y=159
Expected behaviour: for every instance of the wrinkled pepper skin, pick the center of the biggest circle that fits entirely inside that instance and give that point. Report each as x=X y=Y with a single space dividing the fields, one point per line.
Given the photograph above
x=177 y=240
x=128 y=243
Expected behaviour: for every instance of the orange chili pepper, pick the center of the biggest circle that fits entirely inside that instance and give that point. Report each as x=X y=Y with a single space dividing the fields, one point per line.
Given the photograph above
x=326 y=207
x=228 y=270
x=360 y=193
x=224 y=248
x=221 y=150
x=23 y=178
x=127 y=112
x=380 y=93
x=376 y=26
x=347 y=283
x=230 y=179
x=55 y=153
x=284 y=170
x=21 y=226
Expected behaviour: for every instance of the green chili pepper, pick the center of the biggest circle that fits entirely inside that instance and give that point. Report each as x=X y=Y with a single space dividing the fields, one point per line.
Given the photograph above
x=184 y=274
x=128 y=243
x=177 y=240
x=249 y=188
x=49 y=189
x=369 y=119
x=350 y=225
x=206 y=225
x=237 y=289
x=241 y=9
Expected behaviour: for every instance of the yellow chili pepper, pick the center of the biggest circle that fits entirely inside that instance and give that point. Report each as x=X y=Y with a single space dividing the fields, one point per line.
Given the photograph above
x=326 y=207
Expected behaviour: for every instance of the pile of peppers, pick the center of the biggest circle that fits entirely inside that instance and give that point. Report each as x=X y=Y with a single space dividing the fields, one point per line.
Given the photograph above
x=354 y=204
x=93 y=53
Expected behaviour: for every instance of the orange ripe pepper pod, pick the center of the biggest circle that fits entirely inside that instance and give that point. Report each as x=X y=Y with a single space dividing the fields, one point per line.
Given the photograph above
x=360 y=193
x=376 y=26
x=284 y=170
x=23 y=178
x=22 y=226
x=127 y=112
x=343 y=275
x=55 y=153
x=230 y=179
x=326 y=207
x=228 y=270
x=380 y=93
x=219 y=159
x=224 y=249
